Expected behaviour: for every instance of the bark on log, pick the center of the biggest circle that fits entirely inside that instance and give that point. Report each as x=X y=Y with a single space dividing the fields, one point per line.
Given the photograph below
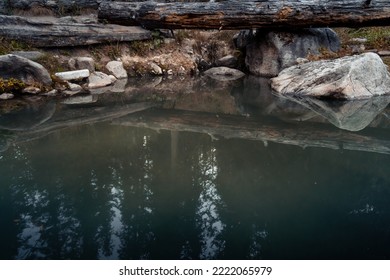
x=57 y=32
x=59 y=6
x=248 y=14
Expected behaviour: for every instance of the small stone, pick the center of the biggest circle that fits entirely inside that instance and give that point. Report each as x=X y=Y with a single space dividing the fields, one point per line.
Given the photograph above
x=182 y=71
x=116 y=68
x=227 y=61
x=99 y=79
x=359 y=40
x=73 y=75
x=6 y=96
x=74 y=87
x=384 y=53
x=78 y=63
x=155 y=69
x=112 y=77
x=170 y=72
x=31 y=90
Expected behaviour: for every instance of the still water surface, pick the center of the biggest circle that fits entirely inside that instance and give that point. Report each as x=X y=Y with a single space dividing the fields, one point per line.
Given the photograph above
x=112 y=190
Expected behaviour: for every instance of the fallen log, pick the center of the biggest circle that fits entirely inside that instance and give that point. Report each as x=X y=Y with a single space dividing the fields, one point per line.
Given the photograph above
x=240 y=127
x=68 y=31
x=247 y=14
x=45 y=6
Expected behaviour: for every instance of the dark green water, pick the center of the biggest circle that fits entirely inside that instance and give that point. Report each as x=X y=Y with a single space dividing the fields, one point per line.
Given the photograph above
x=210 y=188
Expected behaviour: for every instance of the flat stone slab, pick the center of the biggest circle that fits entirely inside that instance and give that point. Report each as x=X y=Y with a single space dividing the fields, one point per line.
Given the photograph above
x=67 y=31
x=73 y=75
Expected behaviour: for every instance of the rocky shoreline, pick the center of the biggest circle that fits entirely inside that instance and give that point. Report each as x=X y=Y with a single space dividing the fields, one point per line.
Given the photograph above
x=83 y=64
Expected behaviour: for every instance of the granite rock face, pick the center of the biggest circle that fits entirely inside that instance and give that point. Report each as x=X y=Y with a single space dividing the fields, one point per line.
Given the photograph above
x=352 y=77
x=30 y=72
x=267 y=53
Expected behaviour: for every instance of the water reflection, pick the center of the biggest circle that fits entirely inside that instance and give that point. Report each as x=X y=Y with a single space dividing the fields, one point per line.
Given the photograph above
x=111 y=192
x=126 y=182
x=348 y=115
x=208 y=218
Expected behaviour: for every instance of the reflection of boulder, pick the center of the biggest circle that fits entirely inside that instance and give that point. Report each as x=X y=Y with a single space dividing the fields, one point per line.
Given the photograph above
x=5 y=140
x=351 y=115
x=28 y=117
x=256 y=99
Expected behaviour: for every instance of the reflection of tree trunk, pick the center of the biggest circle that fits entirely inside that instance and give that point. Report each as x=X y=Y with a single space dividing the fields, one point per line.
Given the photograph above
x=304 y=135
x=174 y=148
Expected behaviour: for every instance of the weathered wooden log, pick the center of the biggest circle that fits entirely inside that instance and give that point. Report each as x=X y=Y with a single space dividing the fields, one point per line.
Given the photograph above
x=62 y=32
x=236 y=14
x=239 y=127
x=59 y=6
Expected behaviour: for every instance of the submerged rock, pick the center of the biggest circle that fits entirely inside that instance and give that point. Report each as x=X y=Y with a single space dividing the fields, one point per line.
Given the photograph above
x=6 y=96
x=79 y=100
x=224 y=73
x=267 y=53
x=28 y=71
x=352 y=77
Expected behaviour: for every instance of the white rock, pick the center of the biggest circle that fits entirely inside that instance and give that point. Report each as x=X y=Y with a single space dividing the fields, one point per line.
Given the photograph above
x=74 y=87
x=6 y=96
x=31 y=90
x=352 y=77
x=155 y=69
x=116 y=68
x=99 y=79
x=73 y=75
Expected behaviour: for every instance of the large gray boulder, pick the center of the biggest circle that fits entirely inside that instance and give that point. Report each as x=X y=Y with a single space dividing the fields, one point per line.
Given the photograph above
x=30 y=72
x=352 y=77
x=267 y=53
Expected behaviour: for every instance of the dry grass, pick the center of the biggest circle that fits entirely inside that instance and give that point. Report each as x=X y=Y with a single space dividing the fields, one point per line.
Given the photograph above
x=377 y=37
x=34 y=11
x=7 y=46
